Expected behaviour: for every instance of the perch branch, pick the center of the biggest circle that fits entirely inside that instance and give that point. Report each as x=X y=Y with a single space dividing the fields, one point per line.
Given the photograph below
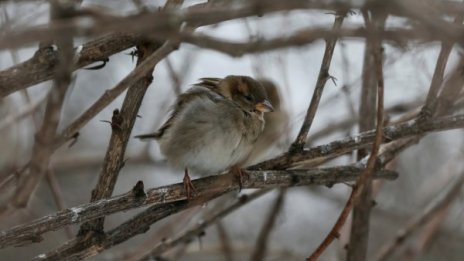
x=168 y=194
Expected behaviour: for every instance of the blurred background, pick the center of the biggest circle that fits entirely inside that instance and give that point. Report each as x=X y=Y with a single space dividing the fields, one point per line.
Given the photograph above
x=307 y=213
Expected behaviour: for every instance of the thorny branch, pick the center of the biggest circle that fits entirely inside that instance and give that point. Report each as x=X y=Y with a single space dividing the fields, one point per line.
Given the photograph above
x=161 y=25
x=121 y=125
x=366 y=176
x=109 y=96
x=320 y=84
x=357 y=248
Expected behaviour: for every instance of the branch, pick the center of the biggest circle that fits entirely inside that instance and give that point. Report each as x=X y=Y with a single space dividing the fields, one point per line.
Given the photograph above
x=324 y=75
x=308 y=36
x=195 y=231
x=72 y=130
x=430 y=105
x=160 y=23
x=261 y=243
x=110 y=95
x=173 y=193
x=141 y=223
x=41 y=152
x=362 y=140
x=41 y=66
x=366 y=176
x=121 y=125
x=357 y=248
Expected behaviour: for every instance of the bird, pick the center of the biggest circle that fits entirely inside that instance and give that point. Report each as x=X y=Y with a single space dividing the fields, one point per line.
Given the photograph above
x=275 y=123
x=213 y=126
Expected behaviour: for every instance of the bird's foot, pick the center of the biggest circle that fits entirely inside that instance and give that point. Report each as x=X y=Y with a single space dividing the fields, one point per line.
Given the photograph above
x=240 y=174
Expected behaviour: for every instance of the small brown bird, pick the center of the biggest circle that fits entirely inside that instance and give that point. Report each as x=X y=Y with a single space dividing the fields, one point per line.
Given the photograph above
x=213 y=126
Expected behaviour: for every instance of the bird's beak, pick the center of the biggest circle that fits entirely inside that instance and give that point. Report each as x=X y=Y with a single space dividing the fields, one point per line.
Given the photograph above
x=264 y=106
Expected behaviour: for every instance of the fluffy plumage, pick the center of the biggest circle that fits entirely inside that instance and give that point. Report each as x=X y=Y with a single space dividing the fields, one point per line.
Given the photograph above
x=214 y=124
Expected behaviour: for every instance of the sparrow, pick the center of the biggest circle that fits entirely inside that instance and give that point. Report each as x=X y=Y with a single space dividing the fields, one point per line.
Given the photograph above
x=213 y=126
x=275 y=124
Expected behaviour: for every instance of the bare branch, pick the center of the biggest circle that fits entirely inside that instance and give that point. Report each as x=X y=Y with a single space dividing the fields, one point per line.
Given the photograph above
x=362 y=140
x=219 y=184
x=121 y=125
x=324 y=75
x=41 y=151
x=195 y=231
x=110 y=95
x=366 y=176
x=357 y=248
x=42 y=65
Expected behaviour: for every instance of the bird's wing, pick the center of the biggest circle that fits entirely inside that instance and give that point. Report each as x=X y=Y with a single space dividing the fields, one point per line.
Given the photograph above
x=210 y=83
x=199 y=90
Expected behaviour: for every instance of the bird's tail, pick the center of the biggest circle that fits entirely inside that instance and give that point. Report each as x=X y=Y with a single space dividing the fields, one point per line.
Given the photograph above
x=154 y=135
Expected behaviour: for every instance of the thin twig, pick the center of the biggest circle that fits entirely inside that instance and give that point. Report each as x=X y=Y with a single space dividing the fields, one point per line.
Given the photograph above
x=362 y=140
x=15 y=118
x=263 y=237
x=348 y=123
x=195 y=231
x=370 y=167
x=226 y=245
x=324 y=75
x=357 y=249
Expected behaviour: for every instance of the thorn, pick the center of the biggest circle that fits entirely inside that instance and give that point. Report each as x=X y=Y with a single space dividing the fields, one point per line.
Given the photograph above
x=133 y=53
x=98 y=66
x=138 y=190
x=74 y=138
x=334 y=80
x=116 y=121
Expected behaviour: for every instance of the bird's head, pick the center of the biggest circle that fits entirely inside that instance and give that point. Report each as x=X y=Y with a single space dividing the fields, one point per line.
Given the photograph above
x=246 y=92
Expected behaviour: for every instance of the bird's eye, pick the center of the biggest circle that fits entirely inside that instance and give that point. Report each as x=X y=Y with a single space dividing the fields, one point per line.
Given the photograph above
x=248 y=97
